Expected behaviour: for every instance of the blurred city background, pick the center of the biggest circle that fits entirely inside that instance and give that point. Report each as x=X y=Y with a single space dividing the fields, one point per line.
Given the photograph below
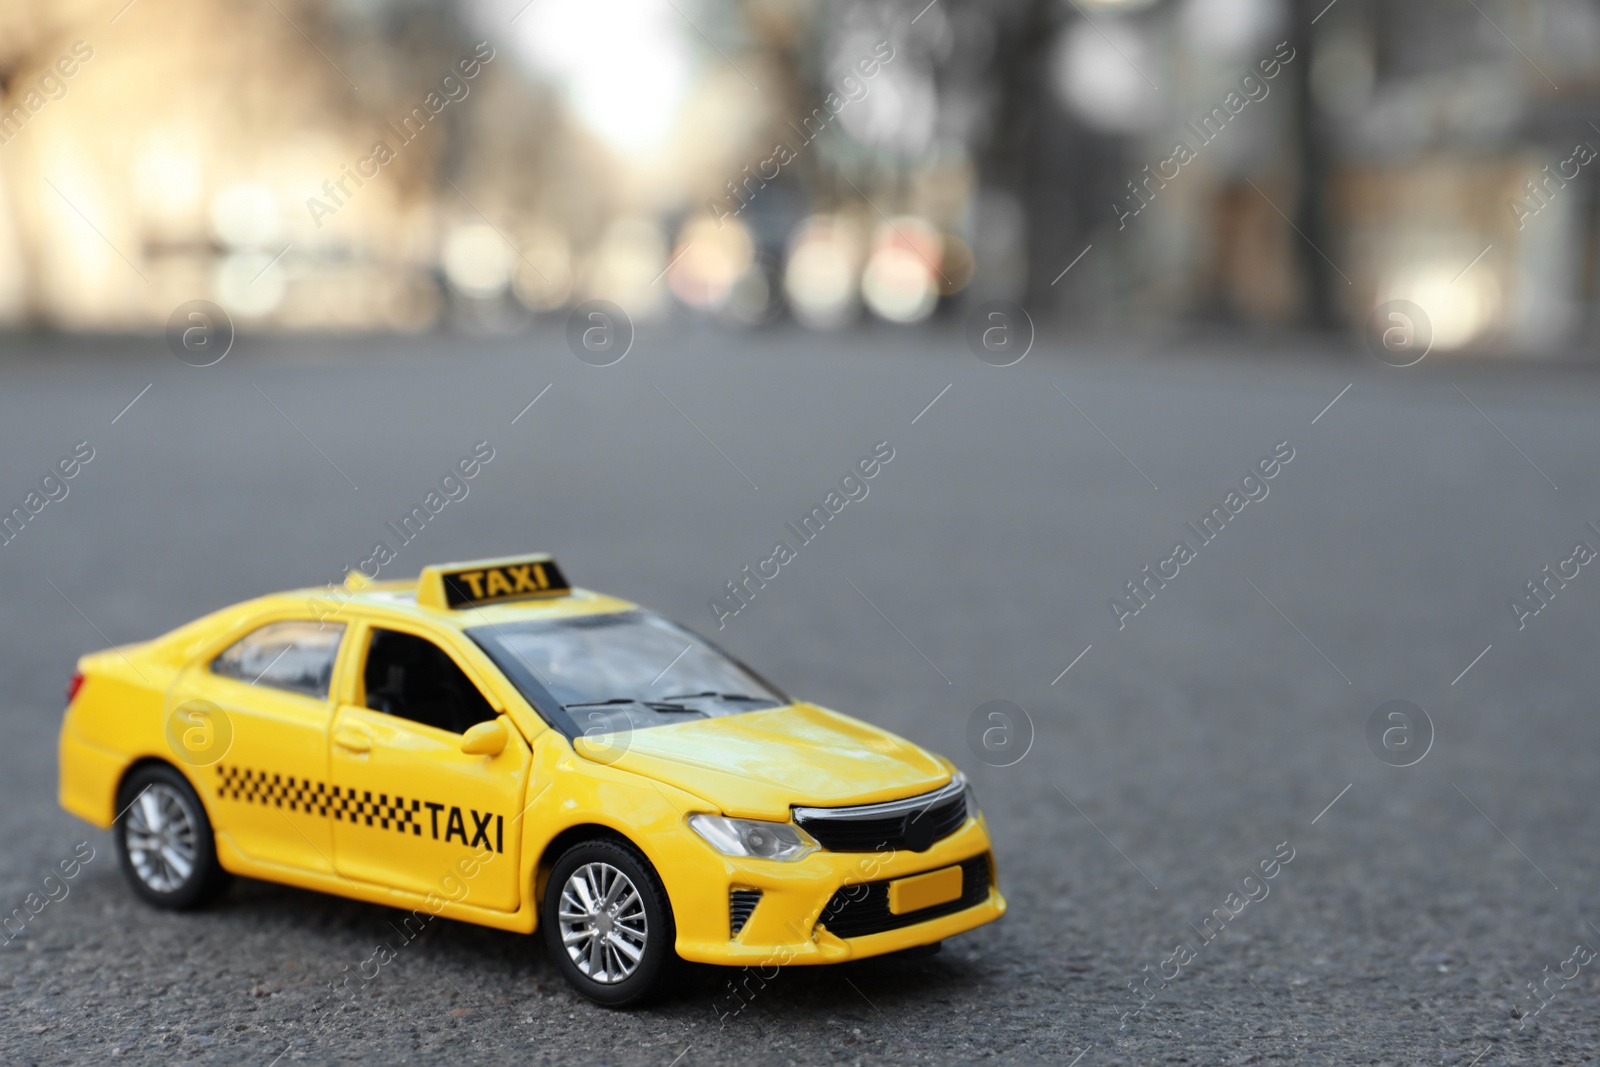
x=411 y=165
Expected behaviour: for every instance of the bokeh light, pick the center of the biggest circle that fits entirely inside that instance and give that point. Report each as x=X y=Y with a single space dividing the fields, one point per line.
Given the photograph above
x=1097 y=73
x=709 y=258
x=627 y=265
x=821 y=278
x=901 y=280
x=543 y=279
x=899 y=112
x=1460 y=307
x=477 y=260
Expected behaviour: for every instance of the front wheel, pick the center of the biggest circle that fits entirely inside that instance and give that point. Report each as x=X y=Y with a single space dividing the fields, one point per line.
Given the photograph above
x=607 y=922
x=164 y=841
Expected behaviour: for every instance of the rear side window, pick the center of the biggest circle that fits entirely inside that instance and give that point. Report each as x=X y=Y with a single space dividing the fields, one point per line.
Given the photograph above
x=296 y=655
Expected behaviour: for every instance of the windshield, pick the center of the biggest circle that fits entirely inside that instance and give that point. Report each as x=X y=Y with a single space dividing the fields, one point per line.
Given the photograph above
x=632 y=670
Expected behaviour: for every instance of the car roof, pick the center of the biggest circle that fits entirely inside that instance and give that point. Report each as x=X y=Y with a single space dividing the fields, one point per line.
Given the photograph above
x=433 y=599
x=458 y=596
x=400 y=597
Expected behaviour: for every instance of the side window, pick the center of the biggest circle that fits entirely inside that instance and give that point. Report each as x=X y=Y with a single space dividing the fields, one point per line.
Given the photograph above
x=413 y=678
x=297 y=656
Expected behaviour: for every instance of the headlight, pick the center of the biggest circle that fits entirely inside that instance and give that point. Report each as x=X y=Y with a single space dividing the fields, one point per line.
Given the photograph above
x=751 y=837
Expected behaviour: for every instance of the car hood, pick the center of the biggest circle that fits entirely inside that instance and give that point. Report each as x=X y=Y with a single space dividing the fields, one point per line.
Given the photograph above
x=758 y=764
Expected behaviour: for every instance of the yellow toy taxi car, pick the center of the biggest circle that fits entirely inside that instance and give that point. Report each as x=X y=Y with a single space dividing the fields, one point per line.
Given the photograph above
x=487 y=744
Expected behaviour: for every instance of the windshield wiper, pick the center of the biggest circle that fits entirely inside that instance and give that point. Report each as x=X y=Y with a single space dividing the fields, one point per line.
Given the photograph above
x=720 y=696
x=653 y=705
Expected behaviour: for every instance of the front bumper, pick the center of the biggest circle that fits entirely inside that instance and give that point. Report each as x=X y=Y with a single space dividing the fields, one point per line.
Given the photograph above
x=783 y=929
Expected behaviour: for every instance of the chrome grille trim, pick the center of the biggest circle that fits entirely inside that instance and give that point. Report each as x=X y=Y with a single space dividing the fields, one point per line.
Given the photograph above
x=956 y=788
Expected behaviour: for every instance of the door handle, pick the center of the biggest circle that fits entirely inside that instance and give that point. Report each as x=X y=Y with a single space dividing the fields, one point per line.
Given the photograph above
x=354 y=740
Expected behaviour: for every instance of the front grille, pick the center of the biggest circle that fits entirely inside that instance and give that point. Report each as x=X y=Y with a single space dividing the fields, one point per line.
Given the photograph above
x=741 y=902
x=863 y=908
x=914 y=823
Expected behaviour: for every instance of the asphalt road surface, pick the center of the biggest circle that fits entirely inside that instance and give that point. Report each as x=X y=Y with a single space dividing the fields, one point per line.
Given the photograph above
x=1224 y=724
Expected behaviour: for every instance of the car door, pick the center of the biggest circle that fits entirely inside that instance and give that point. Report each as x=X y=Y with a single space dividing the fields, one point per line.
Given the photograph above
x=411 y=806
x=251 y=721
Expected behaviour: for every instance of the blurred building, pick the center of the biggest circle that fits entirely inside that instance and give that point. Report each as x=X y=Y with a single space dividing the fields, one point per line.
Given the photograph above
x=1457 y=132
x=401 y=164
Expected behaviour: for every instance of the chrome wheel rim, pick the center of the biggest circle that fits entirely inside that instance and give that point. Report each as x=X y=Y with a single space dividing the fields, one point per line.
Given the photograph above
x=160 y=832
x=603 y=923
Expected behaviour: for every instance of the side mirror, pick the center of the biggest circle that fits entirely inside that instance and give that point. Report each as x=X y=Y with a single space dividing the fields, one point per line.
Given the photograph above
x=485 y=739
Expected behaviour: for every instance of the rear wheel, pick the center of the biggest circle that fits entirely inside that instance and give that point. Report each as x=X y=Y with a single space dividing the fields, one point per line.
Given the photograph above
x=164 y=840
x=607 y=922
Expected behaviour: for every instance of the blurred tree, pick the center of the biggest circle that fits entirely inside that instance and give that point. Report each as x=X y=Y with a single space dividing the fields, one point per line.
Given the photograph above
x=32 y=35
x=1312 y=147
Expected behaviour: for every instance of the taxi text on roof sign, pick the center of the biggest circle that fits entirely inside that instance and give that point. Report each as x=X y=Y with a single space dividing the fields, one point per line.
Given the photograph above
x=490 y=581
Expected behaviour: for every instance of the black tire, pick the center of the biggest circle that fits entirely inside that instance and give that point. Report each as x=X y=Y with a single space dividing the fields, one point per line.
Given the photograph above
x=657 y=954
x=157 y=806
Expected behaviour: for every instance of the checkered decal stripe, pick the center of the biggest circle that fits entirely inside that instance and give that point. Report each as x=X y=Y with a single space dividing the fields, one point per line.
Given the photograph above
x=319 y=798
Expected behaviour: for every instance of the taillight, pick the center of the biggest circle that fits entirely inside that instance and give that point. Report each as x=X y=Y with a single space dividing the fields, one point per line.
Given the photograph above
x=73 y=686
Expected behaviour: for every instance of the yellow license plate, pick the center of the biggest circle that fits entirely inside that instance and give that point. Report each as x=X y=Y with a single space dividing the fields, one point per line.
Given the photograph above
x=924 y=890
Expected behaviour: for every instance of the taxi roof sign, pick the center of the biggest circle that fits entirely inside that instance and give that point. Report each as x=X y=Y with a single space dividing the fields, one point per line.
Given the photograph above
x=456 y=586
